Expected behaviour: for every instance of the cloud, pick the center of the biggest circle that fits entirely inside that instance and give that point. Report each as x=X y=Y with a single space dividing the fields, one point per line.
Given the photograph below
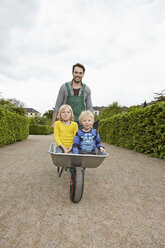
x=15 y=15
x=121 y=44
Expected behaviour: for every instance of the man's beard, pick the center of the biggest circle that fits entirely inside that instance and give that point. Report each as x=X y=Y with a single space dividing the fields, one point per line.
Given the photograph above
x=77 y=81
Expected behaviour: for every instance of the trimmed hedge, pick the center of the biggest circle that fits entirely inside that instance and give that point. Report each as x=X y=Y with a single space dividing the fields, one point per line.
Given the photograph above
x=13 y=127
x=141 y=130
x=40 y=129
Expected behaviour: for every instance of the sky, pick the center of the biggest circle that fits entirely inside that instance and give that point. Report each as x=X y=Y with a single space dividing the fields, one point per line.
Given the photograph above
x=121 y=43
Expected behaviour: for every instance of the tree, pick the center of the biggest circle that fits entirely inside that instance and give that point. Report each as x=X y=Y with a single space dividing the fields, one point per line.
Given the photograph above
x=48 y=114
x=144 y=104
x=12 y=105
x=16 y=103
x=160 y=96
x=111 y=110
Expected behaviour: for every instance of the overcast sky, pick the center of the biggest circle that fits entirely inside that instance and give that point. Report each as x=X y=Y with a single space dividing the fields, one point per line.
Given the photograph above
x=121 y=43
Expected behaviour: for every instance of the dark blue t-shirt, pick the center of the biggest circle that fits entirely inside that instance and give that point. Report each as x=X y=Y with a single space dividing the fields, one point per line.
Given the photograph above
x=86 y=141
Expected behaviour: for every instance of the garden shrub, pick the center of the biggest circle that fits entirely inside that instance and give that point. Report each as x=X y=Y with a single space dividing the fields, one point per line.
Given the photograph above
x=13 y=127
x=40 y=129
x=142 y=130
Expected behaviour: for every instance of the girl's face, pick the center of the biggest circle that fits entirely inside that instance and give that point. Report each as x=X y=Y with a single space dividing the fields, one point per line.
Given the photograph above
x=87 y=123
x=66 y=114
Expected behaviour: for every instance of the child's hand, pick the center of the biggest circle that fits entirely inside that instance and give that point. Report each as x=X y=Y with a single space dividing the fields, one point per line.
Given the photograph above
x=102 y=149
x=69 y=149
x=64 y=149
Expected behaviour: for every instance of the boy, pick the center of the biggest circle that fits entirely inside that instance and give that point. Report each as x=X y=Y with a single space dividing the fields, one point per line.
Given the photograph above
x=87 y=139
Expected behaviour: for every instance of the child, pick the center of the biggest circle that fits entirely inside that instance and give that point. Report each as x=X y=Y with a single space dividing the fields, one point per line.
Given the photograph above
x=65 y=129
x=87 y=139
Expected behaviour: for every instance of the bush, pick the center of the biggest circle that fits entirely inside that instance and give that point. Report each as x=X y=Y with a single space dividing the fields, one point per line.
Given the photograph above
x=142 y=130
x=40 y=129
x=13 y=105
x=110 y=111
x=13 y=127
x=40 y=120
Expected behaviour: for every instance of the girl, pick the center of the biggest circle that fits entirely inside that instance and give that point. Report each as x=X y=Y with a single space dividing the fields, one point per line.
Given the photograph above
x=65 y=129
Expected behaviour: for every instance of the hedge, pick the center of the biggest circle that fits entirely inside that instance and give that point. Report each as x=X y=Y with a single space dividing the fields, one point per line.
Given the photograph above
x=40 y=129
x=141 y=130
x=13 y=127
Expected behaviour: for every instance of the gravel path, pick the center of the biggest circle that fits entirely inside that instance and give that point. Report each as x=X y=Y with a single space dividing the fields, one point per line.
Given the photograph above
x=123 y=203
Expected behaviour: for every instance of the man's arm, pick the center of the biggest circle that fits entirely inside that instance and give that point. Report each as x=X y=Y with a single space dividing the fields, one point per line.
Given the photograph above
x=89 y=100
x=55 y=114
x=59 y=102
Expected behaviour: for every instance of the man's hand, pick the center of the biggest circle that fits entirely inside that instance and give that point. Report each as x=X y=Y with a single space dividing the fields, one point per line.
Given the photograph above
x=52 y=124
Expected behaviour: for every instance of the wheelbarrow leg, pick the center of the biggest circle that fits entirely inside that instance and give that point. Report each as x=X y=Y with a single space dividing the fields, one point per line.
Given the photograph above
x=59 y=171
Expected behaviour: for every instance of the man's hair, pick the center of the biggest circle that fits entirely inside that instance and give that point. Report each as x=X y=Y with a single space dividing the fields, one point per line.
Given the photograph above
x=63 y=107
x=85 y=114
x=78 y=65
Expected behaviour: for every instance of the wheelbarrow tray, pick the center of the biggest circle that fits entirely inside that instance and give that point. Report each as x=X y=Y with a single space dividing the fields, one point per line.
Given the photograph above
x=76 y=160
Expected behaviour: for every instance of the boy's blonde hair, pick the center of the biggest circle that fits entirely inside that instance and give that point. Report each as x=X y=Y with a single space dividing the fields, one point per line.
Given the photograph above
x=84 y=114
x=63 y=107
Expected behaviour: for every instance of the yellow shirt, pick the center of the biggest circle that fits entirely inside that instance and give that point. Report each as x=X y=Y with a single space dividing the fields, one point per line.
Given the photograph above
x=64 y=134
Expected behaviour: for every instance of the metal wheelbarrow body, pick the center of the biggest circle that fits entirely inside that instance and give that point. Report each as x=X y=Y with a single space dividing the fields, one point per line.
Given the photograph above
x=75 y=164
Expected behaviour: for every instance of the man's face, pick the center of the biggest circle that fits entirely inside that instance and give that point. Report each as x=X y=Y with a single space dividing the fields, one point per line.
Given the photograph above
x=77 y=74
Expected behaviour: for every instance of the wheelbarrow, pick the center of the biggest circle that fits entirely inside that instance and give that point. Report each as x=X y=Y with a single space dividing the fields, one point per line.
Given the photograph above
x=75 y=165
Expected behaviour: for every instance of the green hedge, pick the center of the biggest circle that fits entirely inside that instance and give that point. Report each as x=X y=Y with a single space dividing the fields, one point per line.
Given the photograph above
x=142 y=130
x=13 y=127
x=40 y=129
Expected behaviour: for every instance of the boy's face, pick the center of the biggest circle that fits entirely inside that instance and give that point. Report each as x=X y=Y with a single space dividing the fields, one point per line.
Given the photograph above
x=87 y=122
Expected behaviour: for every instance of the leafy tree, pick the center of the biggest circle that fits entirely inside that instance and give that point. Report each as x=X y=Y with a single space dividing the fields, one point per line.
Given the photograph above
x=12 y=105
x=160 y=96
x=46 y=119
x=48 y=114
x=144 y=104
x=16 y=103
x=111 y=110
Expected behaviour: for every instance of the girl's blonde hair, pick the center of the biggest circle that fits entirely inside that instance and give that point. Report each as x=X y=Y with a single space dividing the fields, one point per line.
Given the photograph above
x=63 y=107
x=85 y=114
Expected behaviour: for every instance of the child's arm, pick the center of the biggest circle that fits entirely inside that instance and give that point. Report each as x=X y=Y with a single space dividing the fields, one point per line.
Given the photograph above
x=75 y=128
x=57 y=136
x=66 y=150
x=76 y=143
x=57 y=133
x=98 y=143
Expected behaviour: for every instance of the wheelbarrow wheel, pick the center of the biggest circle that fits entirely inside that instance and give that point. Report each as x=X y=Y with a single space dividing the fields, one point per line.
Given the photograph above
x=76 y=184
x=59 y=171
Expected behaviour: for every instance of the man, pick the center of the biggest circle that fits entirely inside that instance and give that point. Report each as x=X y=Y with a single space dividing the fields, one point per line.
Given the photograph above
x=75 y=93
